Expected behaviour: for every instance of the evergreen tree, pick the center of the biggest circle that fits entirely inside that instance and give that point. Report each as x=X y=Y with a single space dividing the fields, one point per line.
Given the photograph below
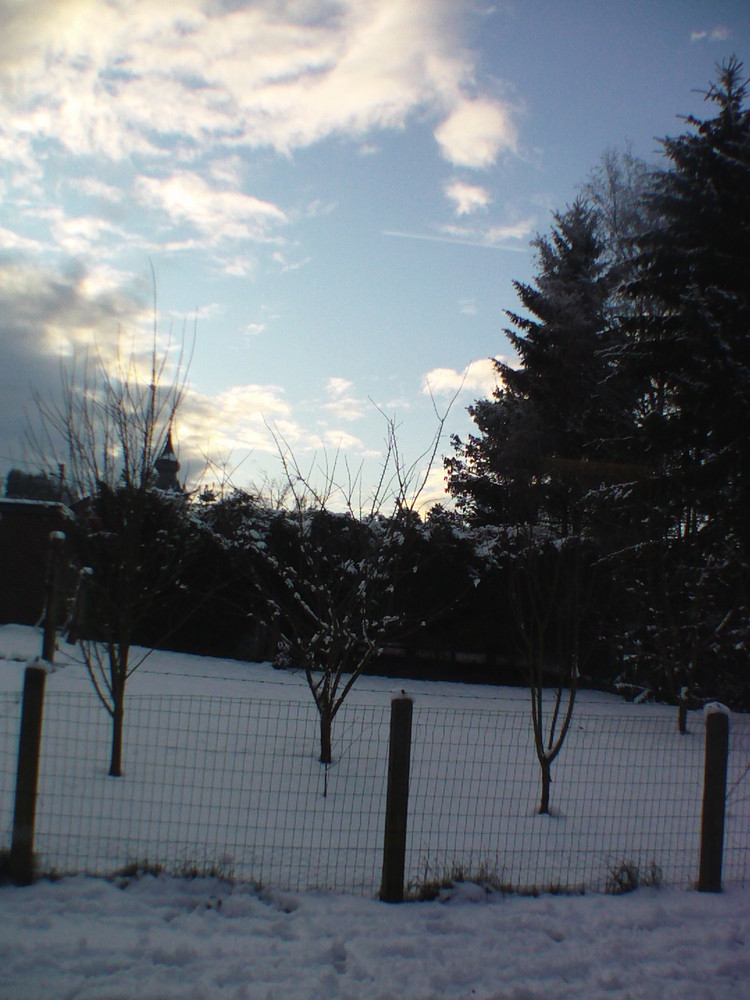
x=693 y=351
x=547 y=420
x=688 y=352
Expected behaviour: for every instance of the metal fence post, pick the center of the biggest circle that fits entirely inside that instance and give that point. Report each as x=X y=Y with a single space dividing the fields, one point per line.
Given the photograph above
x=27 y=775
x=714 y=798
x=397 y=803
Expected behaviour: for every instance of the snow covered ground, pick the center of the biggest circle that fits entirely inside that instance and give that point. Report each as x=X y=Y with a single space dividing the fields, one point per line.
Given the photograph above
x=163 y=937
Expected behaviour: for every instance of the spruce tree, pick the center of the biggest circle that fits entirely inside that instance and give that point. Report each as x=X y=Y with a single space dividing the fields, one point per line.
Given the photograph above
x=689 y=352
x=693 y=354
x=541 y=433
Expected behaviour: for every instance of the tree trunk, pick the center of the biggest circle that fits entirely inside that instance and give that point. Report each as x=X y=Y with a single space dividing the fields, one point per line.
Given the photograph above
x=682 y=716
x=115 y=766
x=325 y=737
x=546 y=767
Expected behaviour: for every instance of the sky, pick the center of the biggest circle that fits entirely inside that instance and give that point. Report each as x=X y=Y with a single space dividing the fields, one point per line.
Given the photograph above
x=335 y=198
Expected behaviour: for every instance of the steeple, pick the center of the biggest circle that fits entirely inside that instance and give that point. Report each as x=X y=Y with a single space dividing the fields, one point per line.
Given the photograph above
x=167 y=468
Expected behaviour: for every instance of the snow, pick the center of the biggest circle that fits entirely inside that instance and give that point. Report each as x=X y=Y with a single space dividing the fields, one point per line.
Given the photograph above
x=161 y=937
x=716 y=708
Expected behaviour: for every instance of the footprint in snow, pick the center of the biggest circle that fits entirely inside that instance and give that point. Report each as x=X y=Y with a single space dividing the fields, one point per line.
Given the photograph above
x=337 y=955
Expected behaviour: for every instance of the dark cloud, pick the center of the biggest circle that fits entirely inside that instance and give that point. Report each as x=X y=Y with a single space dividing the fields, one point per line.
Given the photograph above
x=47 y=316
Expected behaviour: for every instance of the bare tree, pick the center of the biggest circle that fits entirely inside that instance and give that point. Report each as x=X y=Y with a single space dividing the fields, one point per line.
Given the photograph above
x=549 y=588
x=329 y=560
x=110 y=425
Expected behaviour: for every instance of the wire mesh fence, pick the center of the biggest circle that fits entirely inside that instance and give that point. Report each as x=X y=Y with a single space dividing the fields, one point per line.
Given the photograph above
x=624 y=793
x=233 y=786
x=212 y=784
x=10 y=715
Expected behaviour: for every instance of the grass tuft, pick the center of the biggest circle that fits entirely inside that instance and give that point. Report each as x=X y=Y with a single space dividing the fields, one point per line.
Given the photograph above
x=627 y=876
x=491 y=878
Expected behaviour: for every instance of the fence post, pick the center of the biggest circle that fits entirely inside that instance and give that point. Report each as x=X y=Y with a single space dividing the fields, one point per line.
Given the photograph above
x=56 y=541
x=714 y=798
x=27 y=775
x=397 y=802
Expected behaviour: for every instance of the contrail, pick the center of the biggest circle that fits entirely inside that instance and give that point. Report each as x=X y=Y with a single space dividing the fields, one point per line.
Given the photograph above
x=449 y=239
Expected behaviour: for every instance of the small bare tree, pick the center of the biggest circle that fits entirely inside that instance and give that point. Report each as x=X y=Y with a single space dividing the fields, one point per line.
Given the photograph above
x=108 y=428
x=548 y=594
x=328 y=564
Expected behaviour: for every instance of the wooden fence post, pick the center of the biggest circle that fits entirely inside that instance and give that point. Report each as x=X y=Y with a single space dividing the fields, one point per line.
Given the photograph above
x=714 y=798
x=56 y=541
x=27 y=775
x=397 y=803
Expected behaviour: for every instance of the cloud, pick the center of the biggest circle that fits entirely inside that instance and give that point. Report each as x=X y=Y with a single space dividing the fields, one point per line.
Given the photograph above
x=467 y=198
x=95 y=188
x=13 y=241
x=491 y=235
x=115 y=80
x=343 y=404
x=47 y=318
x=338 y=386
x=187 y=199
x=150 y=119
x=287 y=265
x=479 y=378
x=433 y=488
x=48 y=314
x=233 y=422
x=153 y=115
x=718 y=34
x=78 y=234
x=334 y=439
x=52 y=319
x=476 y=132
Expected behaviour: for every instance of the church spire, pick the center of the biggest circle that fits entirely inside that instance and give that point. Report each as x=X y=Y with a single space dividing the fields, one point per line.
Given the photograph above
x=167 y=468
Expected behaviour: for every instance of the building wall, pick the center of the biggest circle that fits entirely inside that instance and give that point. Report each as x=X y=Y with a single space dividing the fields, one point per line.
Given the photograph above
x=25 y=527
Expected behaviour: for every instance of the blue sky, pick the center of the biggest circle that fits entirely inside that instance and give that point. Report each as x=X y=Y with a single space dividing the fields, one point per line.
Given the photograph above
x=339 y=192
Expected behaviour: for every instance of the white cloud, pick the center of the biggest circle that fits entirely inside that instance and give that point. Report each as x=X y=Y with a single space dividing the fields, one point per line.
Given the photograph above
x=76 y=234
x=468 y=307
x=166 y=101
x=12 y=241
x=476 y=132
x=234 y=422
x=337 y=439
x=239 y=266
x=188 y=199
x=208 y=311
x=491 y=235
x=117 y=79
x=95 y=188
x=287 y=265
x=338 y=386
x=520 y=230
x=718 y=34
x=343 y=404
x=467 y=198
x=478 y=378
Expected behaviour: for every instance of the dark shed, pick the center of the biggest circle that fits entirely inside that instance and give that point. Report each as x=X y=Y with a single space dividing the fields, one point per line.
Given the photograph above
x=25 y=527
